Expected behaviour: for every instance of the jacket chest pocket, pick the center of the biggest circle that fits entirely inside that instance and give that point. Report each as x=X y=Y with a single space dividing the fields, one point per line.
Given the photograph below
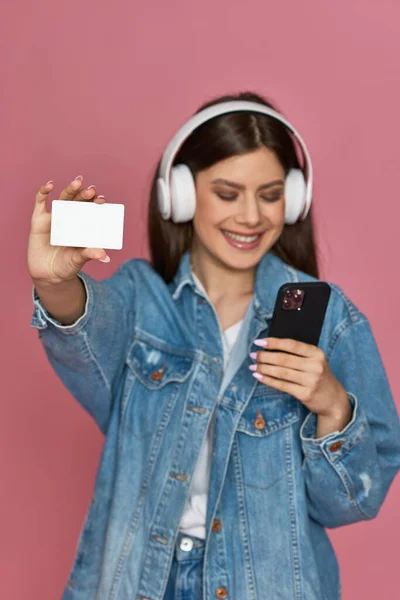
x=156 y=377
x=265 y=437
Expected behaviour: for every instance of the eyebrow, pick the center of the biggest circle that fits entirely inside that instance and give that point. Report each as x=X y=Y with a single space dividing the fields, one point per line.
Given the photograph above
x=242 y=187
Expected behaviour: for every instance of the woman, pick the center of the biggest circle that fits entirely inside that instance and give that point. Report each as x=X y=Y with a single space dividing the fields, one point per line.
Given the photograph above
x=223 y=463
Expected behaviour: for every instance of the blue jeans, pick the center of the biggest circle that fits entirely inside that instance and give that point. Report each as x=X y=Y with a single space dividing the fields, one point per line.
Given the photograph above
x=186 y=575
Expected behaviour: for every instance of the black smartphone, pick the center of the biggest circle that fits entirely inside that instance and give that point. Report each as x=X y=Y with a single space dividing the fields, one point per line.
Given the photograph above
x=300 y=311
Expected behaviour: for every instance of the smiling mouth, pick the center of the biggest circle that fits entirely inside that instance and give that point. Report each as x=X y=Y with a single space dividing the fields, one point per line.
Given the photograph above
x=245 y=239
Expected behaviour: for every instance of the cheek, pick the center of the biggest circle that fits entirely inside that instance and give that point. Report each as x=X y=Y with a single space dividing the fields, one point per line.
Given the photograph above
x=275 y=213
x=208 y=213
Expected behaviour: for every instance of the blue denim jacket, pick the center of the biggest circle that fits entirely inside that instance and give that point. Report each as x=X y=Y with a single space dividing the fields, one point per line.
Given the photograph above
x=146 y=361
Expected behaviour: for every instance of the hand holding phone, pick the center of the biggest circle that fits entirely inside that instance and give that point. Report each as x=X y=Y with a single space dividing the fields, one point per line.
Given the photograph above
x=304 y=372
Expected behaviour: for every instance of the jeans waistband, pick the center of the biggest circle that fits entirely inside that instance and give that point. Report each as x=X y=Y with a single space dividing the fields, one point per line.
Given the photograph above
x=188 y=547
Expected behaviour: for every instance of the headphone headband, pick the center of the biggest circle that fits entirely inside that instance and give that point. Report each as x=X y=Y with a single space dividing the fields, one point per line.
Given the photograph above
x=224 y=108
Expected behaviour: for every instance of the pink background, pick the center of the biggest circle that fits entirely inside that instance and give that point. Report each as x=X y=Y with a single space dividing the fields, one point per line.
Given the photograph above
x=98 y=91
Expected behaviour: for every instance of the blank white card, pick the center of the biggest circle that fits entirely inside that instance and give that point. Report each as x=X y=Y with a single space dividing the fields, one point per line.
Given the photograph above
x=87 y=224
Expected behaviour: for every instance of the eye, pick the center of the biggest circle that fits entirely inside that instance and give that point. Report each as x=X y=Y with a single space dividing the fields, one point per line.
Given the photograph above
x=272 y=198
x=226 y=197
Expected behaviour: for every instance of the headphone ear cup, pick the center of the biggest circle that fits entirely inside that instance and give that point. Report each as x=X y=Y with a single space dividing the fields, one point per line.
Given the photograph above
x=295 y=195
x=183 y=194
x=164 y=200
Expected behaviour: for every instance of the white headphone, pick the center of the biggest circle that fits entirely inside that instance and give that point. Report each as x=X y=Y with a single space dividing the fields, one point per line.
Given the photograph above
x=176 y=190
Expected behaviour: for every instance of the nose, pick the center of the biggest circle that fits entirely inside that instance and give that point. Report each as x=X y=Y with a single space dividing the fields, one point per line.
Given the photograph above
x=250 y=213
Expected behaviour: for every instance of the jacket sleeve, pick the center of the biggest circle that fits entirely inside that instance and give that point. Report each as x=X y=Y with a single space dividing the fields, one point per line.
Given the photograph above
x=89 y=355
x=348 y=473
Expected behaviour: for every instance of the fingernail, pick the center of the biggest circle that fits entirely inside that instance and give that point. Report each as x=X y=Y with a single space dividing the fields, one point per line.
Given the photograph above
x=261 y=342
x=257 y=376
x=106 y=259
x=90 y=186
x=101 y=196
x=252 y=367
x=79 y=177
x=51 y=181
x=253 y=355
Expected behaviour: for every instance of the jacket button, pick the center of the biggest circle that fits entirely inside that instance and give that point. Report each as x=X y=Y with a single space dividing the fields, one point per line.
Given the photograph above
x=216 y=526
x=158 y=374
x=335 y=446
x=259 y=421
x=221 y=592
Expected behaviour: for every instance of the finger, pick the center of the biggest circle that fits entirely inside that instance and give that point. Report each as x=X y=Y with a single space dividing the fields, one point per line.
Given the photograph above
x=41 y=197
x=282 y=359
x=95 y=254
x=289 y=345
x=284 y=373
x=88 y=195
x=82 y=255
x=293 y=389
x=70 y=192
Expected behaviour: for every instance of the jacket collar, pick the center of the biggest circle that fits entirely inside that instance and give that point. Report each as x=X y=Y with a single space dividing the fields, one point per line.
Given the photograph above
x=272 y=272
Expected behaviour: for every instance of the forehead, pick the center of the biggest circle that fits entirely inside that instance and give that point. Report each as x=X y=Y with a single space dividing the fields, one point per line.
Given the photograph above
x=256 y=165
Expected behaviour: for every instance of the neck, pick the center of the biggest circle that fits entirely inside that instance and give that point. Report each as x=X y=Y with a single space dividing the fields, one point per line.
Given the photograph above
x=219 y=280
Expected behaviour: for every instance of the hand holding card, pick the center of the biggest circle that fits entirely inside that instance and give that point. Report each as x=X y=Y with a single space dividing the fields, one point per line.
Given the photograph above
x=78 y=229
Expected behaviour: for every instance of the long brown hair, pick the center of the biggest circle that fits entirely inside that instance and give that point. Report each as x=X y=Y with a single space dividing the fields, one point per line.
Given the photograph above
x=217 y=139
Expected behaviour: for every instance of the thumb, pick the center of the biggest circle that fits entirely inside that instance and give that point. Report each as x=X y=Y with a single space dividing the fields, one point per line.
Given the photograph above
x=87 y=254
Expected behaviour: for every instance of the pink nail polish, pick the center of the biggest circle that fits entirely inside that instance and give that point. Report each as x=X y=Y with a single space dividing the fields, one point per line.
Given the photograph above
x=253 y=355
x=257 y=376
x=252 y=367
x=261 y=342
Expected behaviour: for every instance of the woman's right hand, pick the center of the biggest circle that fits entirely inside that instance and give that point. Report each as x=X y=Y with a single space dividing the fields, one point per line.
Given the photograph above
x=56 y=264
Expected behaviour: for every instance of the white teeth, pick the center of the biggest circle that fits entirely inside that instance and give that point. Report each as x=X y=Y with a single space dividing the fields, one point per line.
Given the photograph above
x=241 y=238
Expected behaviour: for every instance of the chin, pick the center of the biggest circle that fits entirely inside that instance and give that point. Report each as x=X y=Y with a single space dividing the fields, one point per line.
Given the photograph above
x=243 y=262
x=242 y=259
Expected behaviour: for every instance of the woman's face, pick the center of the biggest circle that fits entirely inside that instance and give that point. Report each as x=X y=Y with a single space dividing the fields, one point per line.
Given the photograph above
x=240 y=196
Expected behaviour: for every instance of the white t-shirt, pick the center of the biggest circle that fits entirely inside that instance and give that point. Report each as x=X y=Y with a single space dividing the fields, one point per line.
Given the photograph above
x=193 y=520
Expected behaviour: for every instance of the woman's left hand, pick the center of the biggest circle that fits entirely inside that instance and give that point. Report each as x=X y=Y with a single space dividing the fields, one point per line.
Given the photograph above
x=304 y=374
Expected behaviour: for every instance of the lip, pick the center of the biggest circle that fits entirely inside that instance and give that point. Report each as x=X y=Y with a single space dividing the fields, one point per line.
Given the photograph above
x=248 y=233
x=243 y=245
